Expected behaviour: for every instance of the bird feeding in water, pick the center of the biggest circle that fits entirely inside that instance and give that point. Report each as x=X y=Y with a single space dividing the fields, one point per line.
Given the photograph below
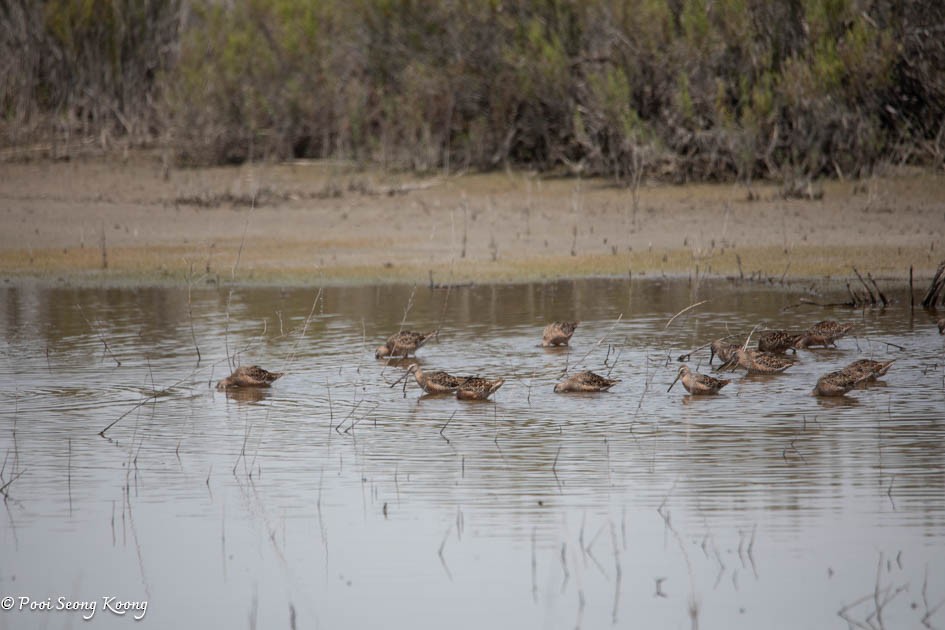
x=697 y=384
x=585 y=382
x=558 y=333
x=249 y=376
x=403 y=344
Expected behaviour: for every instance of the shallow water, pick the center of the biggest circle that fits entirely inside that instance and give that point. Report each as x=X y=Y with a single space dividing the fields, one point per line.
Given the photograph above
x=332 y=500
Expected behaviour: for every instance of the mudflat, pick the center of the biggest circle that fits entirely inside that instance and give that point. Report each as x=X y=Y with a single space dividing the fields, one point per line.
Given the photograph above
x=120 y=221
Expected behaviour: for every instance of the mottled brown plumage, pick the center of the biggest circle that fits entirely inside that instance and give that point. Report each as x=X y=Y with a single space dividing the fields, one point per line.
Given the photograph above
x=436 y=382
x=761 y=362
x=837 y=383
x=723 y=350
x=697 y=384
x=478 y=388
x=777 y=341
x=402 y=344
x=558 y=333
x=868 y=369
x=825 y=333
x=585 y=382
x=249 y=376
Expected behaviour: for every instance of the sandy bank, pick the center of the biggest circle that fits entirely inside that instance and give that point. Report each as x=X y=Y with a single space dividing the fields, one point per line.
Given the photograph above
x=99 y=221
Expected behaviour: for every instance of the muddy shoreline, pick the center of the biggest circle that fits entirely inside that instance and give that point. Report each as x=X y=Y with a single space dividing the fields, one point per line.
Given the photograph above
x=130 y=223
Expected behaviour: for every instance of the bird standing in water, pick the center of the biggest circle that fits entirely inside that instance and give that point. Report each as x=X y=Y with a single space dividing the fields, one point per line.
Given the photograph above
x=696 y=383
x=558 y=333
x=434 y=382
x=249 y=376
x=402 y=344
x=723 y=350
x=585 y=382
x=478 y=388
x=777 y=341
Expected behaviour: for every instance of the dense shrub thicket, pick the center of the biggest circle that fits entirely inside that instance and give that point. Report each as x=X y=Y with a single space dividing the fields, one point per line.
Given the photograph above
x=678 y=89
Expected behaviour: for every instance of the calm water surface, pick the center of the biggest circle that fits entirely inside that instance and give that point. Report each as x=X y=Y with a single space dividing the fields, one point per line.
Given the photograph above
x=334 y=501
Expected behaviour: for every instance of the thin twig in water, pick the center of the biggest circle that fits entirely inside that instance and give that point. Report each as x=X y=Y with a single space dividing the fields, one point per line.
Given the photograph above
x=688 y=308
x=443 y=428
x=599 y=341
x=3 y=488
x=99 y=334
x=190 y=312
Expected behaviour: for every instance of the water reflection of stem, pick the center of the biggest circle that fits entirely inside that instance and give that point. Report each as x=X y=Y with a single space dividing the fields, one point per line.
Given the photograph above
x=693 y=601
x=443 y=428
x=190 y=311
x=449 y=574
x=618 y=573
x=99 y=334
x=564 y=565
x=534 y=570
x=69 y=475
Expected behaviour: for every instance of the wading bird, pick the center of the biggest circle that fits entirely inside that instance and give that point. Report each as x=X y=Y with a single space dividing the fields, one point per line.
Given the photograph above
x=434 y=382
x=777 y=341
x=402 y=344
x=478 y=388
x=249 y=376
x=558 y=333
x=869 y=369
x=696 y=383
x=837 y=383
x=723 y=350
x=760 y=362
x=585 y=382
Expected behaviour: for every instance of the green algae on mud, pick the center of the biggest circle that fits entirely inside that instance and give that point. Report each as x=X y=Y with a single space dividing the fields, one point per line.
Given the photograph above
x=833 y=265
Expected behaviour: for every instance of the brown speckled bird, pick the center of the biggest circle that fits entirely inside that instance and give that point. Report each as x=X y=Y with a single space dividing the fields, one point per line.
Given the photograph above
x=825 y=333
x=869 y=369
x=777 y=341
x=558 y=333
x=478 y=388
x=761 y=362
x=723 y=350
x=249 y=376
x=585 y=382
x=837 y=383
x=696 y=383
x=436 y=382
x=941 y=326
x=402 y=344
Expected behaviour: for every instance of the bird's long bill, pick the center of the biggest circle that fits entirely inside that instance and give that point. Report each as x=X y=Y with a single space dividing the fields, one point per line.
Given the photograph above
x=674 y=381
x=402 y=378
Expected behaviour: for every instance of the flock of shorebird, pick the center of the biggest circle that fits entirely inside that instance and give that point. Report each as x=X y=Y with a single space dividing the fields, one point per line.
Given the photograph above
x=769 y=358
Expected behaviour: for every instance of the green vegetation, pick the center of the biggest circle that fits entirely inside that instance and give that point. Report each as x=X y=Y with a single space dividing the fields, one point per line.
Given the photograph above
x=678 y=89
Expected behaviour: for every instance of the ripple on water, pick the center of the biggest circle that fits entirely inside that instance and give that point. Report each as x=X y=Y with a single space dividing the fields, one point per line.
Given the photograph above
x=334 y=472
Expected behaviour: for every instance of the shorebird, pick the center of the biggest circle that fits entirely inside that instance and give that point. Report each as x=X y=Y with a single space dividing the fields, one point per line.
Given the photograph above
x=869 y=369
x=777 y=341
x=402 y=344
x=761 y=362
x=585 y=382
x=825 y=333
x=941 y=326
x=558 y=333
x=723 y=350
x=249 y=376
x=477 y=388
x=434 y=382
x=696 y=383
x=837 y=383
